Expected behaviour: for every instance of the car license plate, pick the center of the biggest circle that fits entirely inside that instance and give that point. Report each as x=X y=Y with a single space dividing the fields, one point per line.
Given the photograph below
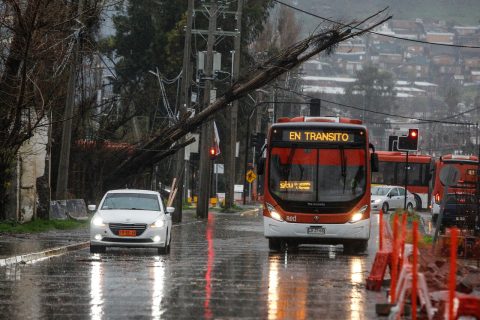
x=127 y=233
x=316 y=230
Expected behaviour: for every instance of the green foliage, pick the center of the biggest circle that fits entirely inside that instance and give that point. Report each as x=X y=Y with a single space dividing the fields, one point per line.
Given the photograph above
x=40 y=225
x=373 y=89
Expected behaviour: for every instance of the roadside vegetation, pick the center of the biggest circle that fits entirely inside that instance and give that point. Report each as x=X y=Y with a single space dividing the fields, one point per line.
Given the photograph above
x=424 y=239
x=40 y=225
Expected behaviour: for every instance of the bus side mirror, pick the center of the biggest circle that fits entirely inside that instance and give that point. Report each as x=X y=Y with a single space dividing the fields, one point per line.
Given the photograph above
x=374 y=162
x=261 y=166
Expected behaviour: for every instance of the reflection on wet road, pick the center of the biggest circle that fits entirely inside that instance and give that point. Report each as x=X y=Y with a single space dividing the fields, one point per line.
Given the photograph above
x=220 y=268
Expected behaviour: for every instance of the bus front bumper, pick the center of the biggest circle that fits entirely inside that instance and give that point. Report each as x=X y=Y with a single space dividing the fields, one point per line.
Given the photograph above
x=331 y=233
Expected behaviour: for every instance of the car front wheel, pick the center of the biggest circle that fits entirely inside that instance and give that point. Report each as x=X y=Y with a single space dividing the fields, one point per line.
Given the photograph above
x=97 y=249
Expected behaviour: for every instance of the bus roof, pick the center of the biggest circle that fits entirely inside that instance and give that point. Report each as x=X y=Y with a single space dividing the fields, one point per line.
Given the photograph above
x=459 y=158
x=397 y=156
x=320 y=119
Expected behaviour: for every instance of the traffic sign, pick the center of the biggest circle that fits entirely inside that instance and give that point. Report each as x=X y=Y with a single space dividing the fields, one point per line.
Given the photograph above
x=250 y=176
x=449 y=175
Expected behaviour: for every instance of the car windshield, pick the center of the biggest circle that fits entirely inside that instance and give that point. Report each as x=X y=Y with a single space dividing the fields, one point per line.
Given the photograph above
x=131 y=201
x=379 y=191
x=309 y=175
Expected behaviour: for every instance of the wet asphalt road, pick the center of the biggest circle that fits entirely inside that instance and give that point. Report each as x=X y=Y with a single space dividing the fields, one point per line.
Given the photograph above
x=217 y=269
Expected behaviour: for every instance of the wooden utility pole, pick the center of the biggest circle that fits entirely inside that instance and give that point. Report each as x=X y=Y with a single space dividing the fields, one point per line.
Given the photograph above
x=64 y=161
x=182 y=108
x=233 y=115
x=205 y=171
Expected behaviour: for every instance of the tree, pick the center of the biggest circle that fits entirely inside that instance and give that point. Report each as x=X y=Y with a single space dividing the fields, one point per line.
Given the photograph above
x=37 y=37
x=372 y=90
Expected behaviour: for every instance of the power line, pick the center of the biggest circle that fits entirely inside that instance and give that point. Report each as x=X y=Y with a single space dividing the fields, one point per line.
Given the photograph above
x=377 y=33
x=421 y=120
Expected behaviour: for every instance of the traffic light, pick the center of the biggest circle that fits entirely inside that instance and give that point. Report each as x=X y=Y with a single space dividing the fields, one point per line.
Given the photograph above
x=212 y=152
x=259 y=144
x=409 y=142
x=392 y=143
x=253 y=139
x=315 y=107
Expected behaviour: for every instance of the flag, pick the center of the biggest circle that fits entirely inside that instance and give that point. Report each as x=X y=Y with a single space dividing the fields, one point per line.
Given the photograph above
x=216 y=138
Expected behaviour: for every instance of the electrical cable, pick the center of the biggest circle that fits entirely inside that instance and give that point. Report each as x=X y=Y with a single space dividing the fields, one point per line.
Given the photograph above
x=374 y=32
x=380 y=112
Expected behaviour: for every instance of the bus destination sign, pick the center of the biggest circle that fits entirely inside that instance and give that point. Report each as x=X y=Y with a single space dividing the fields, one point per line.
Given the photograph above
x=318 y=136
x=305 y=186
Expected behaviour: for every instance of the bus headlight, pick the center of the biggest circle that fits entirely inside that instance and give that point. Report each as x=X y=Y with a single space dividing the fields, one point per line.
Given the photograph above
x=357 y=216
x=273 y=213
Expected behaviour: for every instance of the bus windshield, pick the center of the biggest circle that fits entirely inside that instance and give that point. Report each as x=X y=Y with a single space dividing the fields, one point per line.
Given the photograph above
x=333 y=174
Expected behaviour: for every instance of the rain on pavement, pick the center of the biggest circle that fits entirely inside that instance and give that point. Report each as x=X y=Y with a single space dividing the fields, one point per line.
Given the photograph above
x=220 y=268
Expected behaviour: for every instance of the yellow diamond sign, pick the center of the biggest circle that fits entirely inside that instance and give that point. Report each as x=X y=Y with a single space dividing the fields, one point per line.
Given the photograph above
x=250 y=176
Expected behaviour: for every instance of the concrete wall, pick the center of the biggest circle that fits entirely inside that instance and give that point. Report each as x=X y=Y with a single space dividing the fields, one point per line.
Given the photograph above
x=31 y=166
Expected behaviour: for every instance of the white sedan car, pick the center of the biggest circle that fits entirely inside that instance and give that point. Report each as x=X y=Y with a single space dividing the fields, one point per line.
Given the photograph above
x=391 y=197
x=131 y=218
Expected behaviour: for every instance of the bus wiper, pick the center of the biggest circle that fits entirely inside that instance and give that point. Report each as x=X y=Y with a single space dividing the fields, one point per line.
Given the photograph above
x=289 y=160
x=343 y=163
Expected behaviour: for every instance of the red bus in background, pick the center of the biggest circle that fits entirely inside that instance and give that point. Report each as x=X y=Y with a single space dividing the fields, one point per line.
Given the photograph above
x=392 y=172
x=467 y=166
x=317 y=183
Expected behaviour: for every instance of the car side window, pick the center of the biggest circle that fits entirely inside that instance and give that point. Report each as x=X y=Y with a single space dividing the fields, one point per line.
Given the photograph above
x=394 y=192
x=401 y=191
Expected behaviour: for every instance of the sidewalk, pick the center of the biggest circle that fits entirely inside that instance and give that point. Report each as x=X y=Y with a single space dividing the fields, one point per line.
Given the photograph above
x=25 y=247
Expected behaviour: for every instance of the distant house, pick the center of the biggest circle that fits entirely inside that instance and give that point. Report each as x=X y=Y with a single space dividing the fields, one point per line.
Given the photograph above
x=415 y=49
x=475 y=76
x=440 y=37
x=466 y=30
x=387 y=55
x=350 y=63
x=417 y=67
x=317 y=68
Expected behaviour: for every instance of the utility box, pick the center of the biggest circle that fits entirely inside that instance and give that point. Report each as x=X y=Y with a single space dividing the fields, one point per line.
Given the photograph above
x=202 y=61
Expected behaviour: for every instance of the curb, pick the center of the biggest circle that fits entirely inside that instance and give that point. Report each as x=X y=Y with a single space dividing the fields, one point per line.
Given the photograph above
x=30 y=257
x=251 y=212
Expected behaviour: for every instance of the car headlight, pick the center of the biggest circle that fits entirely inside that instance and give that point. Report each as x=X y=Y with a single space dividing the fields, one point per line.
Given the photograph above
x=377 y=201
x=158 y=224
x=98 y=221
x=273 y=213
x=357 y=216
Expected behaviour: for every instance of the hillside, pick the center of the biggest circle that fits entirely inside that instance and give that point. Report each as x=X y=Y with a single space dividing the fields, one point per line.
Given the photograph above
x=455 y=12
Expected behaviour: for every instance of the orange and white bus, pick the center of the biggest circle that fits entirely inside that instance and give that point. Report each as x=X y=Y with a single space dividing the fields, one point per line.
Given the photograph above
x=391 y=171
x=317 y=183
x=467 y=166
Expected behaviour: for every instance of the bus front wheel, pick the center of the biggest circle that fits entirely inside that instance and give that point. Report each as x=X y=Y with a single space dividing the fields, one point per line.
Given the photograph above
x=278 y=245
x=357 y=246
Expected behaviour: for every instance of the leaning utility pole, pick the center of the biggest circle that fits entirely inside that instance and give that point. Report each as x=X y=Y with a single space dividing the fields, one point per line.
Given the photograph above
x=233 y=116
x=205 y=170
x=182 y=108
x=64 y=161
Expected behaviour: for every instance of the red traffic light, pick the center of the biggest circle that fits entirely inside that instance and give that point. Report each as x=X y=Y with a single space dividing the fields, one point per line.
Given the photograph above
x=212 y=152
x=413 y=133
x=408 y=142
